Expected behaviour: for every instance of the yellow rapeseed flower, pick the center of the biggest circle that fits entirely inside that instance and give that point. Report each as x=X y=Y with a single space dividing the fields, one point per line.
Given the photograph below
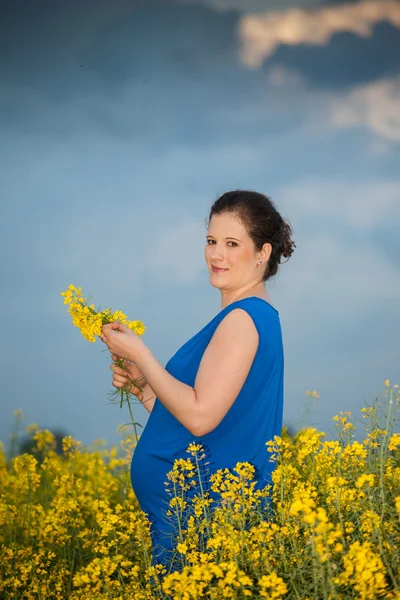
x=365 y=479
x=394 y=442
x=89 y=320
x=272 y=586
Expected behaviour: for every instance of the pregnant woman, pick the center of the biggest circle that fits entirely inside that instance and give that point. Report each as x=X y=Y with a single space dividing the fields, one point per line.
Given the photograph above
x=223 y=388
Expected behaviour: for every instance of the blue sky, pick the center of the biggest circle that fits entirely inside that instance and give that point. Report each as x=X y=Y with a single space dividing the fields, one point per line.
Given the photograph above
x=122 y=122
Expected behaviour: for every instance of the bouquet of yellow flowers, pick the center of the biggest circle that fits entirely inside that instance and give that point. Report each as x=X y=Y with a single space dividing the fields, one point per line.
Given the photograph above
x=90 y=321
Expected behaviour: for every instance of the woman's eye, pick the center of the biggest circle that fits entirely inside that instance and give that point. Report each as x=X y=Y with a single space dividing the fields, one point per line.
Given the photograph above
x=209 y=242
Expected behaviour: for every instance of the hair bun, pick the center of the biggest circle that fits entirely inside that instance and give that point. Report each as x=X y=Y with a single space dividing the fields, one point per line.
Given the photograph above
x=288 y=244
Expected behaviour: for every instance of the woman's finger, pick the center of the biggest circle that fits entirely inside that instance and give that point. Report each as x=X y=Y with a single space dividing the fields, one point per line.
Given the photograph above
x=117 y=369
x=117 y=384
x=121 y=379
x=120 y=384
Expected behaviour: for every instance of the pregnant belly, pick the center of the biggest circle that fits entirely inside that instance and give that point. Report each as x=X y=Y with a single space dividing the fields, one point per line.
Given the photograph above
x=162 y=441
x=144 y=478
x=149 y=467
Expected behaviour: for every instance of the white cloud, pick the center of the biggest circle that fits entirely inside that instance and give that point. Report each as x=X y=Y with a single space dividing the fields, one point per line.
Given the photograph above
x=375 y=105
x=260 y=35
x=358 y=205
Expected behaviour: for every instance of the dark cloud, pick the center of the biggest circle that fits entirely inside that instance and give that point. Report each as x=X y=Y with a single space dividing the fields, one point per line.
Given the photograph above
x=162 y=40
x=144 y=70
x=338 y=2
x=131 y=70
x=39 y=41
x=257 y=6
x=346 y=60
x=74 y=50
x=52 y=44
x=145 y=73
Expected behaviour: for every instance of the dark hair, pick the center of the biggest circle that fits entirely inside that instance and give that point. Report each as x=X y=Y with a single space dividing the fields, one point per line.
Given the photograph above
x=262 y=221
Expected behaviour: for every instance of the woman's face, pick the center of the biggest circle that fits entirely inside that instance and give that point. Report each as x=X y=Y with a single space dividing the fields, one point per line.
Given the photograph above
x=229 y=247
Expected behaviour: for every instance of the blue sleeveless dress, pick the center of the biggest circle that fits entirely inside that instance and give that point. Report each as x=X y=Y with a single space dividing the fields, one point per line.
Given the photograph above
x=254 y=418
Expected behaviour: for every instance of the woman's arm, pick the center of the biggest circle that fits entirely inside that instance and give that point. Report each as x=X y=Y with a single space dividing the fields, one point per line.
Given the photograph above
x=147 y=398
x=223 y=370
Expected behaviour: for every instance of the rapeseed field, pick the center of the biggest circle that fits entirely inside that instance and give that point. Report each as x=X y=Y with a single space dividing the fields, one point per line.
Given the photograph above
x=71 y=527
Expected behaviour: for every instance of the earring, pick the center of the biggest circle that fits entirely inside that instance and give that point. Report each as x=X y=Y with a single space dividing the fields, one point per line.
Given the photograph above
x=260 y=262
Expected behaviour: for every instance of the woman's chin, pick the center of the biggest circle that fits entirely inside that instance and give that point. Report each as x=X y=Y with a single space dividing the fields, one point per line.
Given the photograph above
x=215 y=283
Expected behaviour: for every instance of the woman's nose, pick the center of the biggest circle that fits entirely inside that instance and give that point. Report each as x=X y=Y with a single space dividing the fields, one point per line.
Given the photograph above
x=216 y=254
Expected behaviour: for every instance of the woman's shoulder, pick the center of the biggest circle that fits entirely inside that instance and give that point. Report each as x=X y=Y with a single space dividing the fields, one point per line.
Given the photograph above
x=258 y=302
x=265 y=317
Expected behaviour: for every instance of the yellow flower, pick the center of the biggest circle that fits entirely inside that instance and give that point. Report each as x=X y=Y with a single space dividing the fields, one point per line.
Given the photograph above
x=272 y=586
x=363 y=570
x=45 y=440
x=397 y=504
x=193 y=449
x=365 y=478
x=182 y=548
x=88 y=320
x=394 y=442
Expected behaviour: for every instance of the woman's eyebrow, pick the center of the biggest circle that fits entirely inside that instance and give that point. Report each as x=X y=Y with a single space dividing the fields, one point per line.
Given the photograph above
x=228 y=238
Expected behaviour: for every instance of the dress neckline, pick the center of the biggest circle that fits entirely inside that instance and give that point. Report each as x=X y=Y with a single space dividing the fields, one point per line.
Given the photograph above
x=250 y=297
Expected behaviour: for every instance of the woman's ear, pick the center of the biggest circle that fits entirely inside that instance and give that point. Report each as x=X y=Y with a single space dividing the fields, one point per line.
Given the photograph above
x=266 y=252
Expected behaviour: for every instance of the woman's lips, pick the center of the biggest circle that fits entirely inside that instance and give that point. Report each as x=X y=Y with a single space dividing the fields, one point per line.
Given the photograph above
x=216 y=270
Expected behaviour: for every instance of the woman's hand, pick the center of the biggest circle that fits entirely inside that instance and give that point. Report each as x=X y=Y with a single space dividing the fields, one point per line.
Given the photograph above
x=121 y=340
x=122 y=378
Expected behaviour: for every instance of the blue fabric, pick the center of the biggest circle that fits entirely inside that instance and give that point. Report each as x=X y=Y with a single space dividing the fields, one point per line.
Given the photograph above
x=254 y=418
